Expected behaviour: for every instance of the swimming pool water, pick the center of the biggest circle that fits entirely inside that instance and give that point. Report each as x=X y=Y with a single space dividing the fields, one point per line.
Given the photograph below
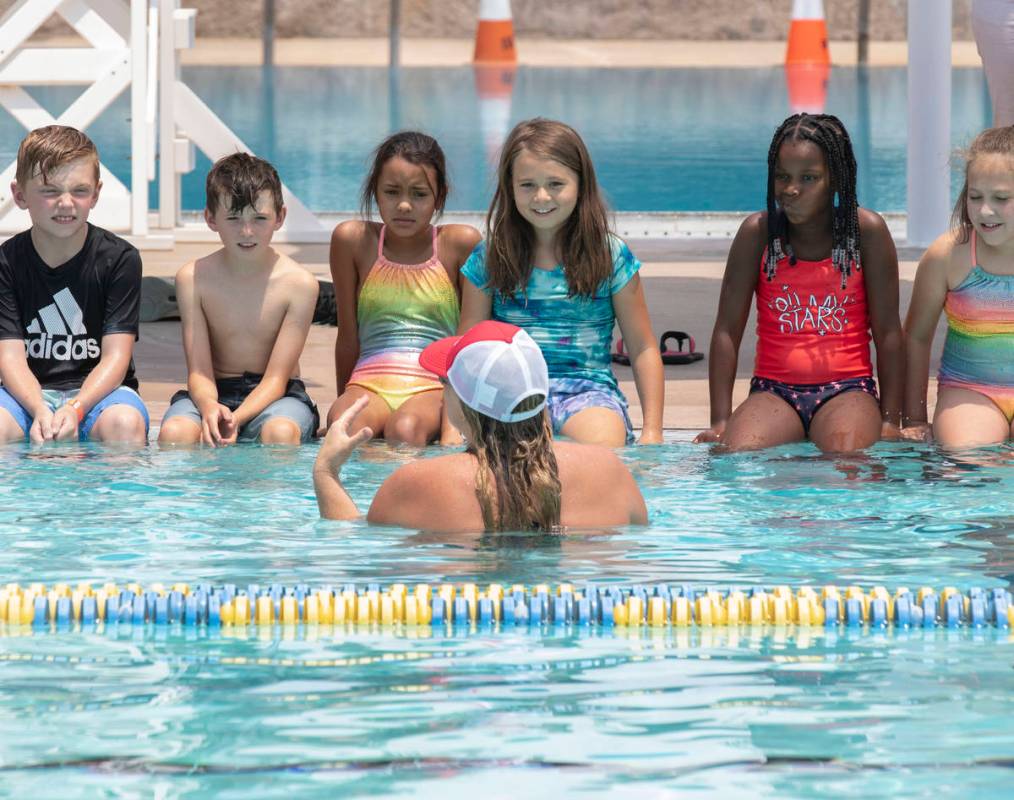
x=283 y=713
x=661 y=139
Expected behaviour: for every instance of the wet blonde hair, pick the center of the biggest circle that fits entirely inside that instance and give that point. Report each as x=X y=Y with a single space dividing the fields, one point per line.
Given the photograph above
x=993 y=141
x=517 y=481
x=47 y=149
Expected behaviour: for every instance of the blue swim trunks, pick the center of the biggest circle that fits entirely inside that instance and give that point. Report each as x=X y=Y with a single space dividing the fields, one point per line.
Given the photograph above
x=55 y=399
x=567 y=396
x=807 y=399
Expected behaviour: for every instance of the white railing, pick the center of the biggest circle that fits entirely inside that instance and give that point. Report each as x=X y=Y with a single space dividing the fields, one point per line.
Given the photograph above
x=133 y=43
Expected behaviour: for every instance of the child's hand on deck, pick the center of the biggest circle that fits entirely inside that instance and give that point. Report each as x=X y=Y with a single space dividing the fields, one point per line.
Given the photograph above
x=218 y=427
x=339 y=443
x=712 y=434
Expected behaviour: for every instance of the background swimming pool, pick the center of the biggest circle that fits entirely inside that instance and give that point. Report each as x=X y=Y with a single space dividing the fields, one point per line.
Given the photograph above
x=778 y=714
x=662 y=139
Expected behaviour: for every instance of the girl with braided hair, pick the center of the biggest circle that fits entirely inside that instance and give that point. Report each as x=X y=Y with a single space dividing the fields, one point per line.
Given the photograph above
x=825 y=273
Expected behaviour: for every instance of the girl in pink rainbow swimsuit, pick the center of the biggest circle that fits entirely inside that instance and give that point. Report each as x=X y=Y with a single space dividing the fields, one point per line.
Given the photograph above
x=397 y=290
x=969 y=274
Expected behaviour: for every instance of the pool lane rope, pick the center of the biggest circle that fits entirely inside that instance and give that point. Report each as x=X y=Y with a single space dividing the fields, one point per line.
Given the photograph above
x=497 y=607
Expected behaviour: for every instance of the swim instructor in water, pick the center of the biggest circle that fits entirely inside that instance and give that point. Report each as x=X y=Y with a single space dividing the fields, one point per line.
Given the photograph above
x=512 y=475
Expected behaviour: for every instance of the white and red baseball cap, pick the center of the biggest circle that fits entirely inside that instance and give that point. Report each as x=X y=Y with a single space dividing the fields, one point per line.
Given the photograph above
x=492 y=367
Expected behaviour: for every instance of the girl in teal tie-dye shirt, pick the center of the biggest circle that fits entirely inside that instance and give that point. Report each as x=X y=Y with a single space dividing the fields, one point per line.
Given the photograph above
x=551 y=266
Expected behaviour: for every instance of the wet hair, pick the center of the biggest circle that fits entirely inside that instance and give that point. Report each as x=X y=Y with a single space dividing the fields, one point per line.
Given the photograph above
x=993 y=141
x=45 y=150
x=416 y=148
x=829 y=134
x=241 y=177
x=517 y=481
x=583 y=241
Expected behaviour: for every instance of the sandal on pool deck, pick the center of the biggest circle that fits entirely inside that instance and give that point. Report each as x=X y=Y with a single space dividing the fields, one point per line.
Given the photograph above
x=679 y=355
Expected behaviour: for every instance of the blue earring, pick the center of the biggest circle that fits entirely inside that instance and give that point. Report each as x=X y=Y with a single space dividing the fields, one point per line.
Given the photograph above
x=836 y=201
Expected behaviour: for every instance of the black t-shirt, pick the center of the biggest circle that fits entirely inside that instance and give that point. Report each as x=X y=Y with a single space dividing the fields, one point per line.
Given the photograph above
x=62 y=313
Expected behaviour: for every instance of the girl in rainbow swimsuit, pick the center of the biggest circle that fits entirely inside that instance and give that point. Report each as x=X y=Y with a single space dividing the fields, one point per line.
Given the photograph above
x=969 y=274
x=397 y=290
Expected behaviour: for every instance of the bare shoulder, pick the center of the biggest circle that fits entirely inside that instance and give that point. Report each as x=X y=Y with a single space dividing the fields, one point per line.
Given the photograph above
x=293 y=284
x=944 y=248
x=407 y=497
x=354 y=235
x=355 y=241
x=948 y=258
x=203 y=275
x=751 y=238
x=743 y=262
x=877 y=252
x=872 y=224
x=458 y=241
x=592 y=464
x=597 y=486
x=186 y=273
x=293 y=272
x=351 y=231
x=754 y=227
x=212 y=262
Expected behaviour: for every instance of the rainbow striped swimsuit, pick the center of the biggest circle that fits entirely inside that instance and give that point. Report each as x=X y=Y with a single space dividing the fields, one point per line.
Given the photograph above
x=979 y=349
x=401 y=309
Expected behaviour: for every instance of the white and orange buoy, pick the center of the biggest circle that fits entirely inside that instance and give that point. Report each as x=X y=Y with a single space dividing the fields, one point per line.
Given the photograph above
x=807 y=58
x=494 y=37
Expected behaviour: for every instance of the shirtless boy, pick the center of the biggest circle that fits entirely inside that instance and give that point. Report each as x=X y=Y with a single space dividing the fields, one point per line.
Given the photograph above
x=246 y=311
x=69 y=297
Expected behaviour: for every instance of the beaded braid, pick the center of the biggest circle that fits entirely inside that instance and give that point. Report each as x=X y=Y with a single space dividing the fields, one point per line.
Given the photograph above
x=829 y=134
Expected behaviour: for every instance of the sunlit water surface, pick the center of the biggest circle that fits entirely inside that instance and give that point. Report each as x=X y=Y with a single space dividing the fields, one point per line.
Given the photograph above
x=773 y=712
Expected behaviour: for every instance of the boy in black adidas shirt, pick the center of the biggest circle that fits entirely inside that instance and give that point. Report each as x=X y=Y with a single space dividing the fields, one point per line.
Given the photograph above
x=69 y=297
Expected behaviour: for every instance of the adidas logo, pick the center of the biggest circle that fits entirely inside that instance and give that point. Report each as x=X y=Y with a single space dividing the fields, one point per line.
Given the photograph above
x=54 y=333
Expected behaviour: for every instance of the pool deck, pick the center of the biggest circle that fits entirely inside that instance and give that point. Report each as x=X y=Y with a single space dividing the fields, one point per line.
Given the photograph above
x=681 y=283
x=612 y=53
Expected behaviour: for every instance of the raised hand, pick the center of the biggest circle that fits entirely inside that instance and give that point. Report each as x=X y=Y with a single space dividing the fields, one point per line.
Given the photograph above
x=339 y=443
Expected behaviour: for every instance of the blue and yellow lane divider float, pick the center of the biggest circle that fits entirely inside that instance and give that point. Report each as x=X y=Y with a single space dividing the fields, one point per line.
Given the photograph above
x=498 y=607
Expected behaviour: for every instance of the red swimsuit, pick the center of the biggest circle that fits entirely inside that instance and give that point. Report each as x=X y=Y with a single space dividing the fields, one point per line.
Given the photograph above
x=813 y=337
x=809 y=329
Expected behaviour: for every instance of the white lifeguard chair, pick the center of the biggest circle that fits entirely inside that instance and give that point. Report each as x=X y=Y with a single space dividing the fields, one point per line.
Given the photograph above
x=135 y=44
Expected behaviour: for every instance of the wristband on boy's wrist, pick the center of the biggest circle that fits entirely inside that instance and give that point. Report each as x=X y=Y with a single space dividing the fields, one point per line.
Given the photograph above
x=78 y=409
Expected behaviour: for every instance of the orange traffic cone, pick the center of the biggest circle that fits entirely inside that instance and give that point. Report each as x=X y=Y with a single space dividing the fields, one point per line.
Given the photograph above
x=807 y=34
x=494 y=38
x=807 y=59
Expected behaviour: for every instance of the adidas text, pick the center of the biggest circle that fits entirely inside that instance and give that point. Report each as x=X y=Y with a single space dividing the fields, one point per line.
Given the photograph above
x=62 y=348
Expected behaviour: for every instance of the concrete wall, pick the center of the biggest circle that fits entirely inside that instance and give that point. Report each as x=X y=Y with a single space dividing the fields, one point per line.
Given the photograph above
x=576 y=19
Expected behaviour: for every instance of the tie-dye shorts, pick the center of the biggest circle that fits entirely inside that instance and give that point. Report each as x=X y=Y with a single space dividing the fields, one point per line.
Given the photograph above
x=567 y=396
